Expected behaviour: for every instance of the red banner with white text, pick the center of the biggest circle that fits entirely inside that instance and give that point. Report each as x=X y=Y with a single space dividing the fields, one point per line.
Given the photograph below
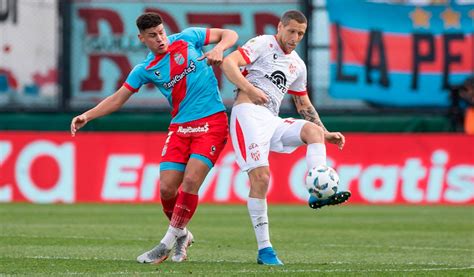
x=52 y=167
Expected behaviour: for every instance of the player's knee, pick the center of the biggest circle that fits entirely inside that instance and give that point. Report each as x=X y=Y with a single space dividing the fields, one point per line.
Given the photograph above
x=259 y=184
x=261 y=177
x=264 y=178
x=167 y=192
x=190 y=182
x=312 y=133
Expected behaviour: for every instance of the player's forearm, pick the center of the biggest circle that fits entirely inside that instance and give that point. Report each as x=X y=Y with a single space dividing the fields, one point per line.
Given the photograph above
x=228 y=39
x=105 y=107
x=309 y=113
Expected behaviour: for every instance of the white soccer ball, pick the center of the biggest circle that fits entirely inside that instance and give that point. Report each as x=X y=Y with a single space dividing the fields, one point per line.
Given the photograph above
x=322 y=181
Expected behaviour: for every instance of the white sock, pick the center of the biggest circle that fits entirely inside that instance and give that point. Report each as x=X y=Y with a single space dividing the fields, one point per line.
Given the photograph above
x=258 y=214
x=315 y=155
x=171 y=235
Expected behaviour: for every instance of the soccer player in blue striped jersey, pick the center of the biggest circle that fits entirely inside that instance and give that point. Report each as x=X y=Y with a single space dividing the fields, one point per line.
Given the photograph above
x=180 y=70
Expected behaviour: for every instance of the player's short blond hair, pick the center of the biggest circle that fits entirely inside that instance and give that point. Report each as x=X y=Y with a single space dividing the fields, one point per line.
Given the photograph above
x=293 y=15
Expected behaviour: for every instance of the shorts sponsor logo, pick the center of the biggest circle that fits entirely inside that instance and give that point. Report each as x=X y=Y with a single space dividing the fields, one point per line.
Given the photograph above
x=253 y=146
x=255 y=155
x=192 y=130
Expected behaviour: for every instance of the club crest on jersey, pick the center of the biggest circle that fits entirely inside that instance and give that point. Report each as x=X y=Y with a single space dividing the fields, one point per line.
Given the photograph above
x=178 y=58
x=278 y=78
x=292 y=68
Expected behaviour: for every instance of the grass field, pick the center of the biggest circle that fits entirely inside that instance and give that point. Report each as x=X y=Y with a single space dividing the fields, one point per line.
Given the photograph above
x=337 y=241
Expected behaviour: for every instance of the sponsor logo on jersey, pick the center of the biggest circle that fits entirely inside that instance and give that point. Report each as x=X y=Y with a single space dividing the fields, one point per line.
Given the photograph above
x=278 y=78
x=178 y=77
x=275 y=56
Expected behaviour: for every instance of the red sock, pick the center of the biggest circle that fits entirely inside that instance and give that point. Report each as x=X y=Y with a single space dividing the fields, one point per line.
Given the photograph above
x=184 y=209
x=168 y=206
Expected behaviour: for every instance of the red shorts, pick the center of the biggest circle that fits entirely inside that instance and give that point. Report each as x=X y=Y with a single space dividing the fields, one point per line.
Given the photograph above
x=203 y=139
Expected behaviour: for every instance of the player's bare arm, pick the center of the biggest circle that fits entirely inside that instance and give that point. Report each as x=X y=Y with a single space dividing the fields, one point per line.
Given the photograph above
x=225 y=39
x=306 y=109
x=248 y=93
x=105 y=107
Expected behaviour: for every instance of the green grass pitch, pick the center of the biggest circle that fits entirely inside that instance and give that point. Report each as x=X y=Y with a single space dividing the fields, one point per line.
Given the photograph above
x=349 y=240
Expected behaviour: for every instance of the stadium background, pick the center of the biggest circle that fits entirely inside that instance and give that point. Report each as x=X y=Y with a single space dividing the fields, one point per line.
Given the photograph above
x=379 y=71
x=386 y=76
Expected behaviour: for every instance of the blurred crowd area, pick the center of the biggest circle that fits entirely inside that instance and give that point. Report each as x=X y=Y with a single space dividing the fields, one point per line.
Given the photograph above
x=371 y=59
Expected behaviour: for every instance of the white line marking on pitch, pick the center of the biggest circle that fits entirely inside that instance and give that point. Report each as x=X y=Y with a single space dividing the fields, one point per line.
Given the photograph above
x=399 y=247
x=281 y=271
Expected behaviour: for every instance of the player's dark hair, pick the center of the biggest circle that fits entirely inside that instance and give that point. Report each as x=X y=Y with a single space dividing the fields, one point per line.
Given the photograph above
x=148 y=20
x=293 y=15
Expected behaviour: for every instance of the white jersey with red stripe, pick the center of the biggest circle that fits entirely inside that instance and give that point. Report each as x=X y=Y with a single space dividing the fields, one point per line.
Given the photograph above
x=272 y=70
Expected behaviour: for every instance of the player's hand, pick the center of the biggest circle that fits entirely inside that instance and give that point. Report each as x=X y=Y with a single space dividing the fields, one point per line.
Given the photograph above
x=77 y=123
x=335 y=138
x=214 y=57
x=257 y=96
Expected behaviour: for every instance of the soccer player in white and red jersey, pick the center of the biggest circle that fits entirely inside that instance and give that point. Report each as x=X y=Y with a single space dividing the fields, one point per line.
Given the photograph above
x=271 y=69
x=180 y=70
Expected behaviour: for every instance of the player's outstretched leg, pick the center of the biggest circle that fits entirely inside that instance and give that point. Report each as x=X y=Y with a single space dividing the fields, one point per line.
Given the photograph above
x=155 y=256
x=336 y=199
x=267 y=256
x=181 y=247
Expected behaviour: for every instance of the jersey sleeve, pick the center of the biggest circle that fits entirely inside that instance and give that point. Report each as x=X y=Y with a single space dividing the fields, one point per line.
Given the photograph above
x=253 y=49
x=196 y=36
x=135 y=79
x=298 y=87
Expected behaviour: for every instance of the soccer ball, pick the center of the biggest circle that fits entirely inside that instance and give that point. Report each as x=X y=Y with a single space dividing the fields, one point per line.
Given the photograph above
x=322 y=182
